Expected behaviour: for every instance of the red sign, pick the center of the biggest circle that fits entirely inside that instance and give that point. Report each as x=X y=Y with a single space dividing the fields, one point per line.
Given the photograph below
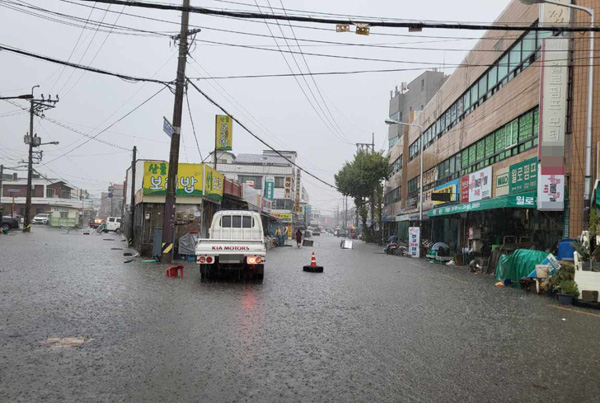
x=464 y=189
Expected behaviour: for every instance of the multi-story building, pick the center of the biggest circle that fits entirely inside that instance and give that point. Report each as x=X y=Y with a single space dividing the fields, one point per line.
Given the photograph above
x=111 y=202
x=255 y=170
x=484 y=136
x=67 y=205
x=404 y=103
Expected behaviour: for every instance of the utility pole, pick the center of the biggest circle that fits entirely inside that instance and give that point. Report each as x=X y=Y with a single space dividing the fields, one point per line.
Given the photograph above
x=169 y=209
x=37 y=107
x=132 y=203
x=1 y=193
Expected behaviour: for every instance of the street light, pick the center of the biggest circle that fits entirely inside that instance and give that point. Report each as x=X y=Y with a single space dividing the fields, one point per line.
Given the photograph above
x=396 y=122
x=50 y=142
x=26 y=96
x=590 y=101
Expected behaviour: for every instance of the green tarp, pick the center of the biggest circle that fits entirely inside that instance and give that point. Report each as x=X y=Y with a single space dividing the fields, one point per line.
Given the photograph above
x=521 y=200
x=519 y=264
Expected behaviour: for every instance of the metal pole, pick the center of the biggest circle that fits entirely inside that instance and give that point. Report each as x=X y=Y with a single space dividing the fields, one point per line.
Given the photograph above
x=169 y=209
x=132 y=203
x=27 y=219
x=1 y=194
x=420 y=176
x=590 y=110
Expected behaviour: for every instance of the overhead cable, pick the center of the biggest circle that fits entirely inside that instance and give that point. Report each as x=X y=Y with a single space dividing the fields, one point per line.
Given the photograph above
x=348 y=21
x=258 y=138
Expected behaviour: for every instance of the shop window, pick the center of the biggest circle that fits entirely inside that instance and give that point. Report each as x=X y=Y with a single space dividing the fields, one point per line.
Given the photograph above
x=489 y=145
x=64 y=214
x=467 y=100
x=528 y=44
x=536 y=122
x=472 y=154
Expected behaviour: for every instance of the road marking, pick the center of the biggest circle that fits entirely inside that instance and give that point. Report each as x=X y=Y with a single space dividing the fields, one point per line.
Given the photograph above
x=576 y=311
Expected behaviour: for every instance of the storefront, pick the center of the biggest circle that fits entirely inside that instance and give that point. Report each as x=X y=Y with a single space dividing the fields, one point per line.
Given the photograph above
x=480 y=222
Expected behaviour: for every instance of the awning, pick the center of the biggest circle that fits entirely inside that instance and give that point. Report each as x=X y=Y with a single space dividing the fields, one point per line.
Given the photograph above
x=521 y=200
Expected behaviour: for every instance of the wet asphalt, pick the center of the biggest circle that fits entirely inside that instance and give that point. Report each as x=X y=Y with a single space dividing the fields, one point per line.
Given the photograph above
x=371 y=328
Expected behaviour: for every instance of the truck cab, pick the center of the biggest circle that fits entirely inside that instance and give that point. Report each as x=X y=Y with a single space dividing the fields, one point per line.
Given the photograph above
x=235 y=243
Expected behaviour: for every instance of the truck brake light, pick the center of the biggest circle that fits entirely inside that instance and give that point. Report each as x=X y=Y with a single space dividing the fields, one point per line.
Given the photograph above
x=254 y=260
x=209 y=259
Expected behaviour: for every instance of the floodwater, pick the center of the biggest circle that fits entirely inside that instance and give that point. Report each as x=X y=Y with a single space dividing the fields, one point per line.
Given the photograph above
x=80 y=325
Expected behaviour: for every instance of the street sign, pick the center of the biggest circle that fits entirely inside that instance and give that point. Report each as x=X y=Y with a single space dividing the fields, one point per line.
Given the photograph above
x=168 y=127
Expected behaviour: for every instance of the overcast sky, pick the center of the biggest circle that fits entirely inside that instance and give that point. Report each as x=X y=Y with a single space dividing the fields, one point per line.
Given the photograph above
x=275 y=108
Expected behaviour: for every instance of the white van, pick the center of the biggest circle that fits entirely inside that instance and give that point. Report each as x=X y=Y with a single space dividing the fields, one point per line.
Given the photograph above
x=113 y=224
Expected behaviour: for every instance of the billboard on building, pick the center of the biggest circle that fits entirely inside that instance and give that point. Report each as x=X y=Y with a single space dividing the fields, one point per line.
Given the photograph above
x=284 y=217
x=523 y=176
x=192 y=180
x=189 y=178
x=477 y=185
x=223 y=133
x=554 y=14
x=553 y=112
x=452 y=187
x=550 y=192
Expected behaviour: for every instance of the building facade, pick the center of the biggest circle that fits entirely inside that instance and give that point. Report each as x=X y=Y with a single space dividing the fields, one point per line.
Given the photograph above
x=111 y=202
x=68 y=205
x=403 y=106
x=484 y=133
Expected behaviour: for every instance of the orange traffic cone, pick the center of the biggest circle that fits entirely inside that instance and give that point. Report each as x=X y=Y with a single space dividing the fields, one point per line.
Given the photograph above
x=313 y=268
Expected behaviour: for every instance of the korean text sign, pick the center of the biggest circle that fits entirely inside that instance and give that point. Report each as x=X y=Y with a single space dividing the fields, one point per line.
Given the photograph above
x=189 y=178
x=223 y=133
x=523 y=176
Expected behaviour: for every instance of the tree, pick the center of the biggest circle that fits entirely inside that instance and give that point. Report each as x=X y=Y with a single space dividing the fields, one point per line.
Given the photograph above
x=360 y=179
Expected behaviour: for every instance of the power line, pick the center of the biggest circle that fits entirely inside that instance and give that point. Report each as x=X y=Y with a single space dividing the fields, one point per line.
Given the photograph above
x=322 y=115
x=258 y=138
x=187 y=100
x=412 y=35
x=348 y=21
x=81 y=67
x=108 y=127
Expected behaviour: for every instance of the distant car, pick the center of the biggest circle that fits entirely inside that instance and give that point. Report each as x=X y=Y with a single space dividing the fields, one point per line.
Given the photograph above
x=96 y=223
x=113 y=224
x=42 y=218
x=316 y=232
x=10 y=223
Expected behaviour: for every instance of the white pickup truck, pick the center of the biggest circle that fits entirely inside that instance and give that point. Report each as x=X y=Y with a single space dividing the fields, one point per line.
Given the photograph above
x=236 y=242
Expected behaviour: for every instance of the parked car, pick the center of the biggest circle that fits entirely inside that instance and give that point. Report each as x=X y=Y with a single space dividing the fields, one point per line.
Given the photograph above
x=10 y=223
x=42 y=218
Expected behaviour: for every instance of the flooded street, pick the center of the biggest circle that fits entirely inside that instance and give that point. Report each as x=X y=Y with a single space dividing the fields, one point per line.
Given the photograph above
x=372 y=327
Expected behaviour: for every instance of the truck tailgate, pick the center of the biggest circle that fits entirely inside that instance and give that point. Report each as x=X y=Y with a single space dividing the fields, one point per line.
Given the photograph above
x=229 y=247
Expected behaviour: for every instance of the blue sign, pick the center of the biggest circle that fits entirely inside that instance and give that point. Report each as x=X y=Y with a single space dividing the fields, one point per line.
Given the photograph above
x=451 y=187
x=168 y=127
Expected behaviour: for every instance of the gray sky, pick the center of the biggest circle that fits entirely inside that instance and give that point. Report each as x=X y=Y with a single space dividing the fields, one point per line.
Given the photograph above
x=275 y=108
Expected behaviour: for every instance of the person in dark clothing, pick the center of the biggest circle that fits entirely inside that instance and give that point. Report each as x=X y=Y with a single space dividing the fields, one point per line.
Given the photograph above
x=298 y=238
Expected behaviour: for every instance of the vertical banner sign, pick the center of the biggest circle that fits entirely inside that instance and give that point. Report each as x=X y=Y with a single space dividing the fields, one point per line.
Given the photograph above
x=223 y=133
x=553 y=111
x=414 y=241
x=269 y=188
x=213 y=183
x=464 y=189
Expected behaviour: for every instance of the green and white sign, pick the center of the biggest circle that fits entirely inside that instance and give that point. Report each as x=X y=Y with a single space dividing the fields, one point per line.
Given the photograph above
x=523 y=176
x=269 y=188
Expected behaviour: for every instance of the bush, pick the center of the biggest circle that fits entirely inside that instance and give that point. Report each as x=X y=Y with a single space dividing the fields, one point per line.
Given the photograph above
x=566 y=272
x=569 y=287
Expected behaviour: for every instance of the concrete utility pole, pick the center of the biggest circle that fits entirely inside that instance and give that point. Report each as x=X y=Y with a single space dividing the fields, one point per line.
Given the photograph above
x=37 y=106
x=169 y=209
x=132 y=203
x=1 y=193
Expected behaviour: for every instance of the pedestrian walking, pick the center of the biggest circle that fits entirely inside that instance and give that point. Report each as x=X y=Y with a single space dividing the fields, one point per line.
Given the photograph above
x=298 y=238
